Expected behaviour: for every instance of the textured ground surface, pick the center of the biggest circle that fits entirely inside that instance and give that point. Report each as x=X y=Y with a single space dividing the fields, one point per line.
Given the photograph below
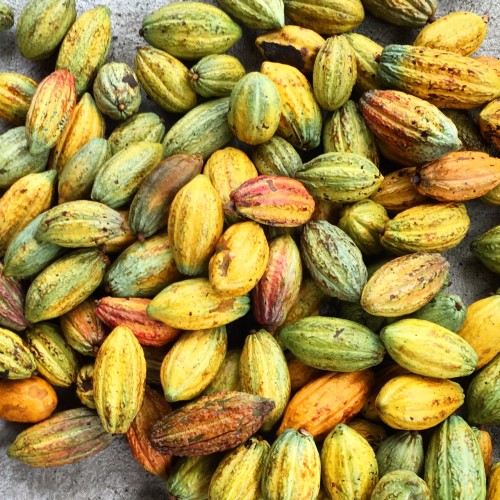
x=113 y=474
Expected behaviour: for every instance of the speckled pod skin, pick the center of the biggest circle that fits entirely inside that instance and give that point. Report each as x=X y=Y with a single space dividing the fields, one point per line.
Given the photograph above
x=257 y=14
x=405 y=284
x=367 y=52
x=412 y=130
x=165 y=79
x=116 y=91
x=489 y=123
x=413 y=403
x=64 y=284
x=460 y=32
x=143 y=269
x=334 y=261
x=190 y=30
x=426 y=228
x=119 y=380
x=6 y=17
x=50 y=110
x=131 y=312
x=326 y=16
x=263 y=371
x=292 y=468
x=27 y=198
x=486 y=446
x=301 y=120
x=86 y=46
x=333 y=344
x=119 y=178
x=404 y=450
x=425 y=73
x=340 y=177
x=192 y=362
x=481 y=328
x=406 y=342
x=327 y=401
x=276 y=157
x=194 y=235
x=85 y=124
x=348 y=463
x=401 y=484
x=487 y=249
x=55 y=359
x=293 y=45
x=16 y=360
x=11 y=303
x=82 y=329
x=454 y=466
x=240 y=471
x=78 y=175
x=240 y=259
x=203 y=130
x=16 y=159
x=482 y=395
x=42 y=25
x=67 y=437
x=335 y=73
x=410 y=13
x=150 y=207
x=346 y=131
x=201 y=419
x=468 y=131
x=16 y=92
x=193 y=304
x=216 y=75
x=460 y=176
x=254 y=109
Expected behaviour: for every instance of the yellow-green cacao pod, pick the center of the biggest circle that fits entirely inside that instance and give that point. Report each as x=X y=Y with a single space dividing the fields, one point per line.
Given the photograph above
x=119 y=380
x=328 y=17
x=216 y=75
x=354 y=312
x=263 y=371
x=460 y=32
x=55 y=359
x=203 y=130
x=116 y=91
x=192 y=363
x=64 y=284
x=257 y=14
x=487 y=249
x=412 y=14
x=454 y=467
x=119 y=178
x=193 y=304
x=143 y=269
x=190 y=30
x=240 y=471
x=254 y=109
x=227 y=377
x=15 y=158
x=86 y=46
x=165 y=79
x=413 y=403
x=406 y=342
x=482 y=400
x=16 y=92
x=16 y=360
x=367 y=53
x=348 y=464
x=42 y=25
x=401 y=484
x=276 y=157
x=405 y=284
x=335 y=72
x=340 y=274
x=301 y=120
x=293 y=467
x=345 y=131
x=333 y=344
x=340 y=177
x=194 y=235
x=364 y=222
x=404 y=450
x=6 y=17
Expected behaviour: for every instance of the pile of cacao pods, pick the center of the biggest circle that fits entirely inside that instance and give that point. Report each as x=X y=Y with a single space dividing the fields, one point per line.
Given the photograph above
x=282 y=299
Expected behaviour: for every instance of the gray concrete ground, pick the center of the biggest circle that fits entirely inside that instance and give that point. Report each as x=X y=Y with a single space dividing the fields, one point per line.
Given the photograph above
x=113 y=474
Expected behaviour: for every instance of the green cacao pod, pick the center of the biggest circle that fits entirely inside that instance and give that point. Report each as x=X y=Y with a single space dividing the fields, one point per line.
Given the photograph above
x=257 y=14
x=367 y=52
x=276 y=157
x=401 y=484
x=404 y=450
x=487 y=249
x=6 y=17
